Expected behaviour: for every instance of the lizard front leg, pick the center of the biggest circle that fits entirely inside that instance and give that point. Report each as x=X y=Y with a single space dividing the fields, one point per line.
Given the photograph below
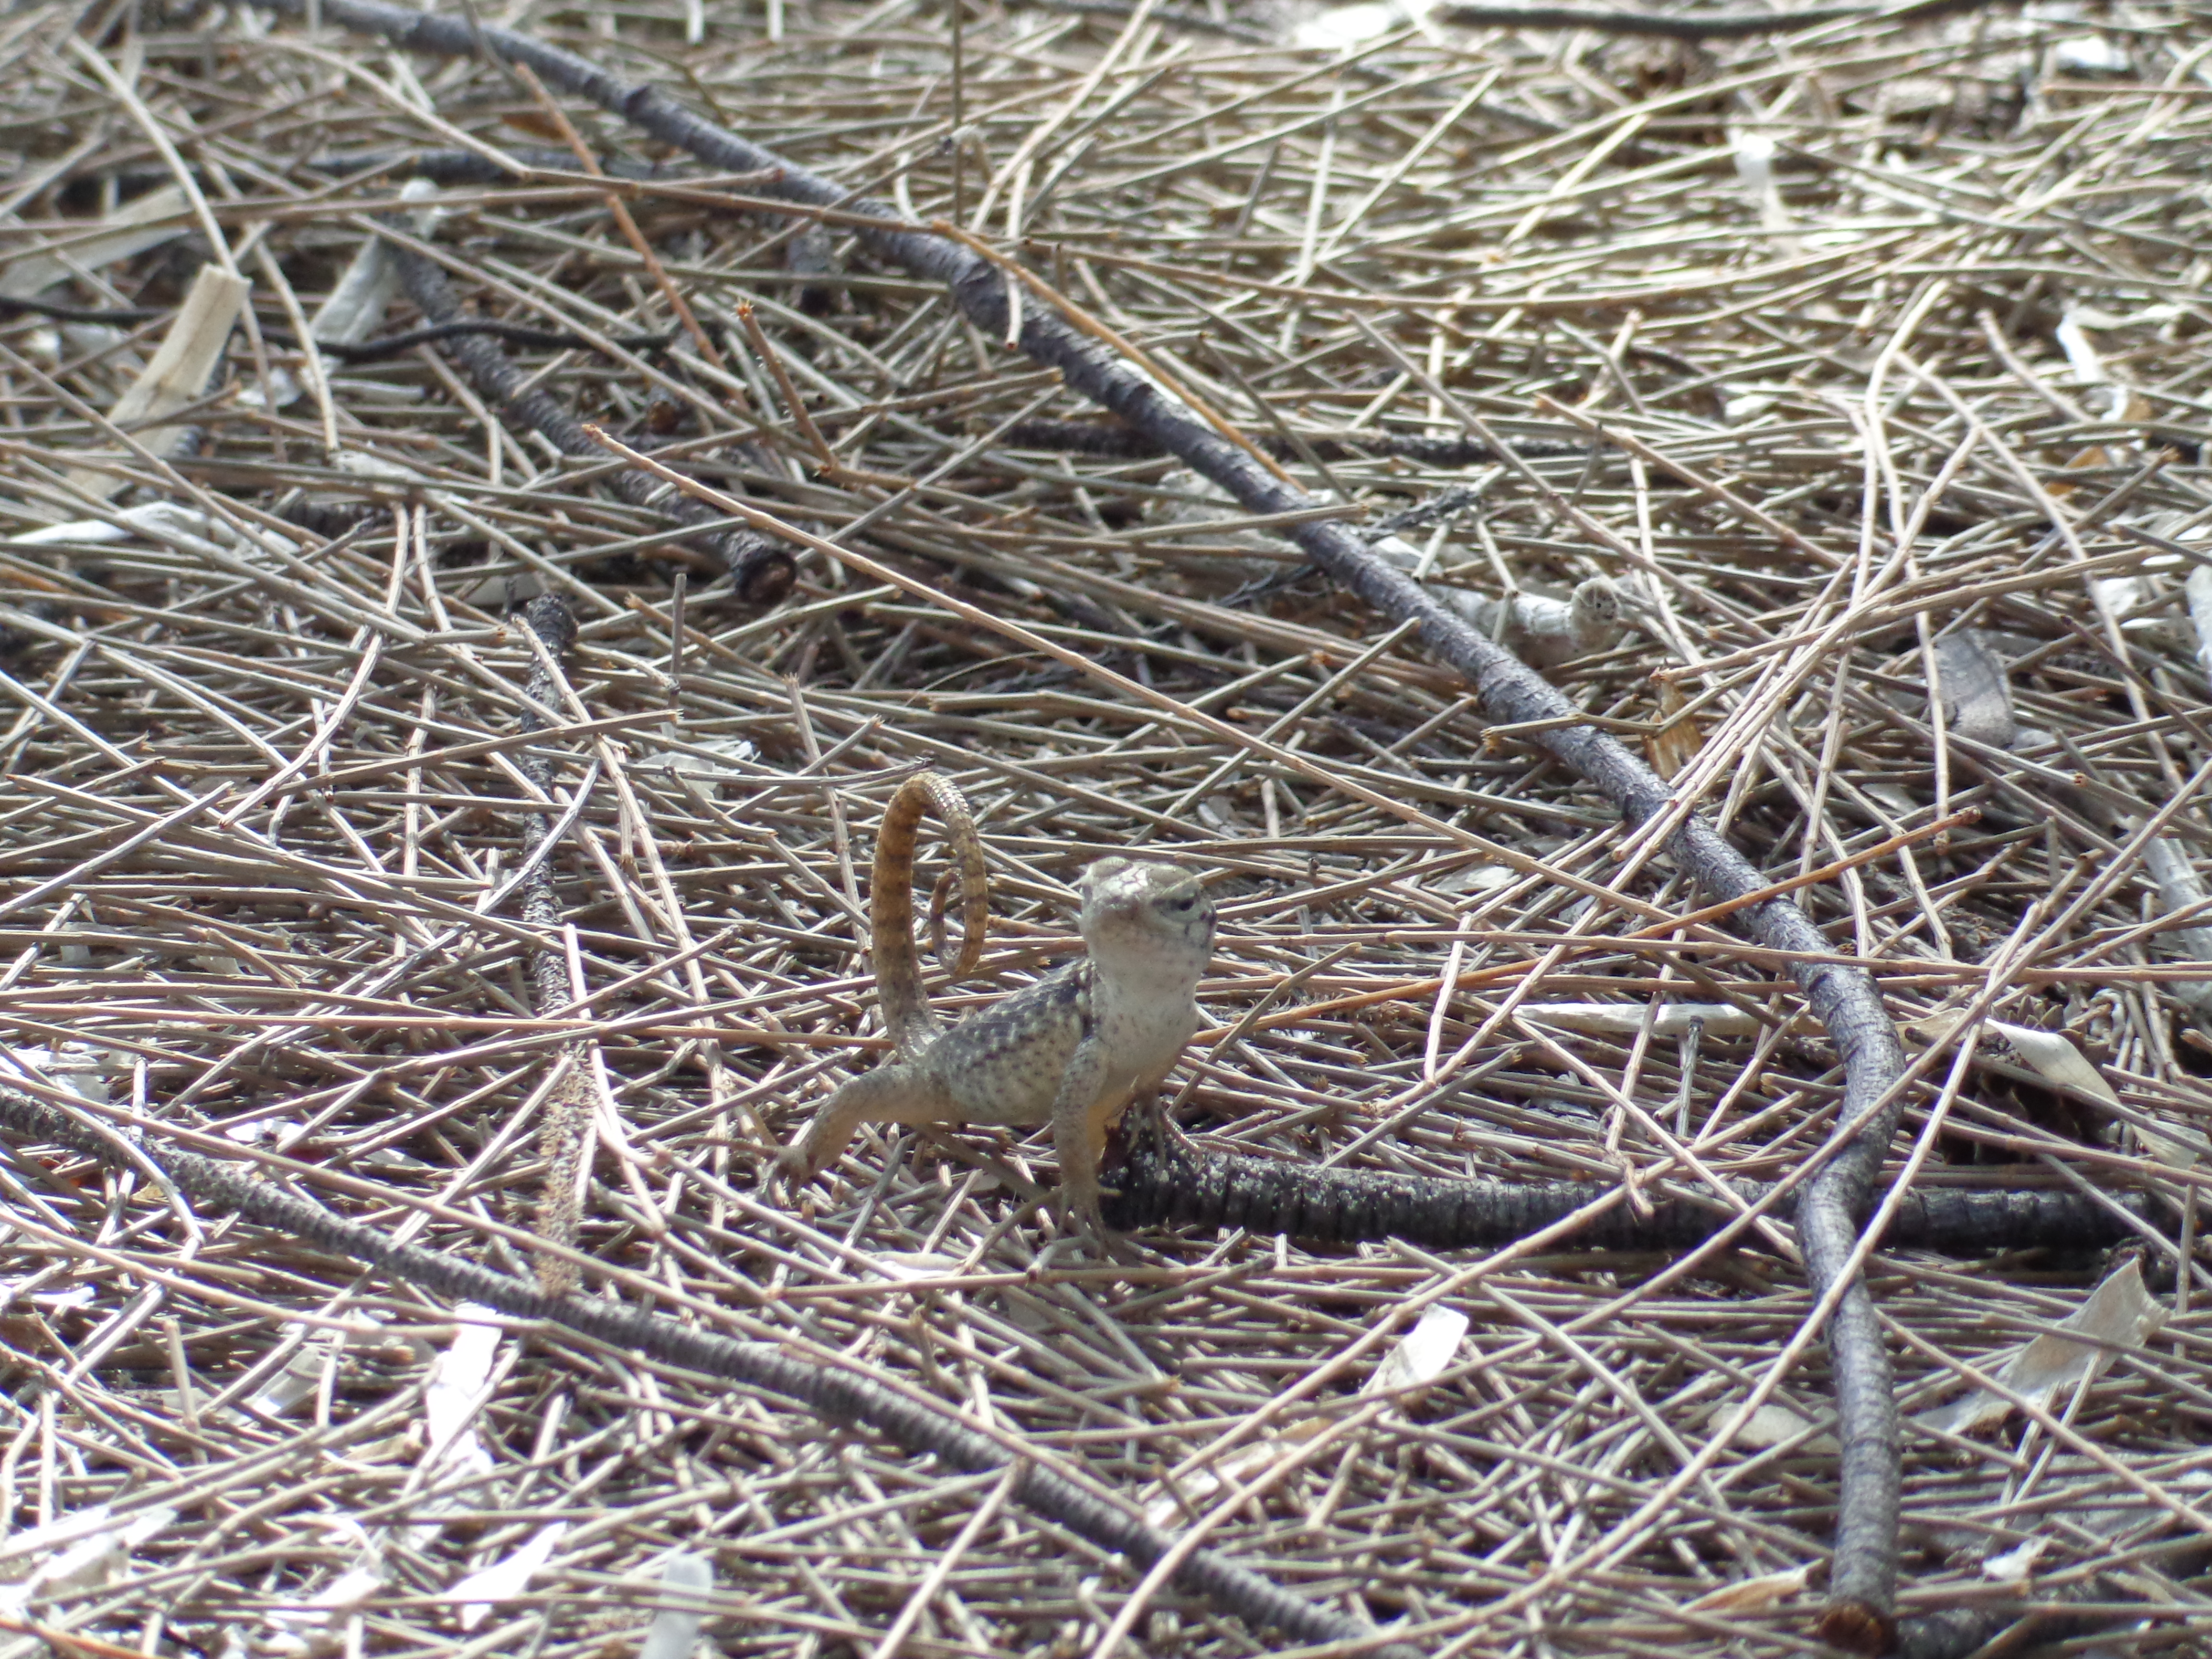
x=1080 y=1113
x=896 y=1093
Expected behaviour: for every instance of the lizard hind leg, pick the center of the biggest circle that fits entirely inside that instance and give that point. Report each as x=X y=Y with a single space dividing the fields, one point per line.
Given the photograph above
x=907 y=1013
x=892 y=1093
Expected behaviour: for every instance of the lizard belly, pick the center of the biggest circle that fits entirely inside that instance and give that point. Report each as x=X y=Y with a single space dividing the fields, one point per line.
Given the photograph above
x=1145 y=1036
x=1143 y=1039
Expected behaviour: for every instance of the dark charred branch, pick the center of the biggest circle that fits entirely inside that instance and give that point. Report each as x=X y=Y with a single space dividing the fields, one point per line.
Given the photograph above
x=444 y=167
x=760 y=570
x=1957 y=1632
x=550 y=619
x=114 y=316
x=1690 y=26
x=542 y=339
x=565 y=1115
x=1863 y=1579
x=1181 y=17
x=836 y=1392
x=329 y=519
x=1126 y=443
x=469 y=167
x=1178 y=1185
x=351 y=351
x=1722 y=26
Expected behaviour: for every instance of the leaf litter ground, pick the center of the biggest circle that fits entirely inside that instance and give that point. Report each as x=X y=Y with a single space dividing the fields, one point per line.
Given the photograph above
x=1862 y=358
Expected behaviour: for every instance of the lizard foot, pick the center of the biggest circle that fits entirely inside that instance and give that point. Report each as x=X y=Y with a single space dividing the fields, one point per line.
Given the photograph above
x=1087 y=1228
x=1124 y=1250
x=1078 y=1246
x=794 y=1170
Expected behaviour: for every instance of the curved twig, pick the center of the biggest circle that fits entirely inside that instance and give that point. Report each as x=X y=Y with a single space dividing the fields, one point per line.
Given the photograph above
x=1863 y=1580
x=911 y=1421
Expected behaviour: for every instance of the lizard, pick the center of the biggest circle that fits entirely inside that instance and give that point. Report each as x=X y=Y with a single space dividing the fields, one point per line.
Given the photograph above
x=1073 y=1050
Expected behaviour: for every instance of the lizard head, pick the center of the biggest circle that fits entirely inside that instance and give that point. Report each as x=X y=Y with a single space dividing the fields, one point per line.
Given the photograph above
x=1152 y=914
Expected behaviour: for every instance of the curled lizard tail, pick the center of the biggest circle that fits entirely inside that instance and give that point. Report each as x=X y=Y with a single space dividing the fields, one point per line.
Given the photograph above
x=907 y=1013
